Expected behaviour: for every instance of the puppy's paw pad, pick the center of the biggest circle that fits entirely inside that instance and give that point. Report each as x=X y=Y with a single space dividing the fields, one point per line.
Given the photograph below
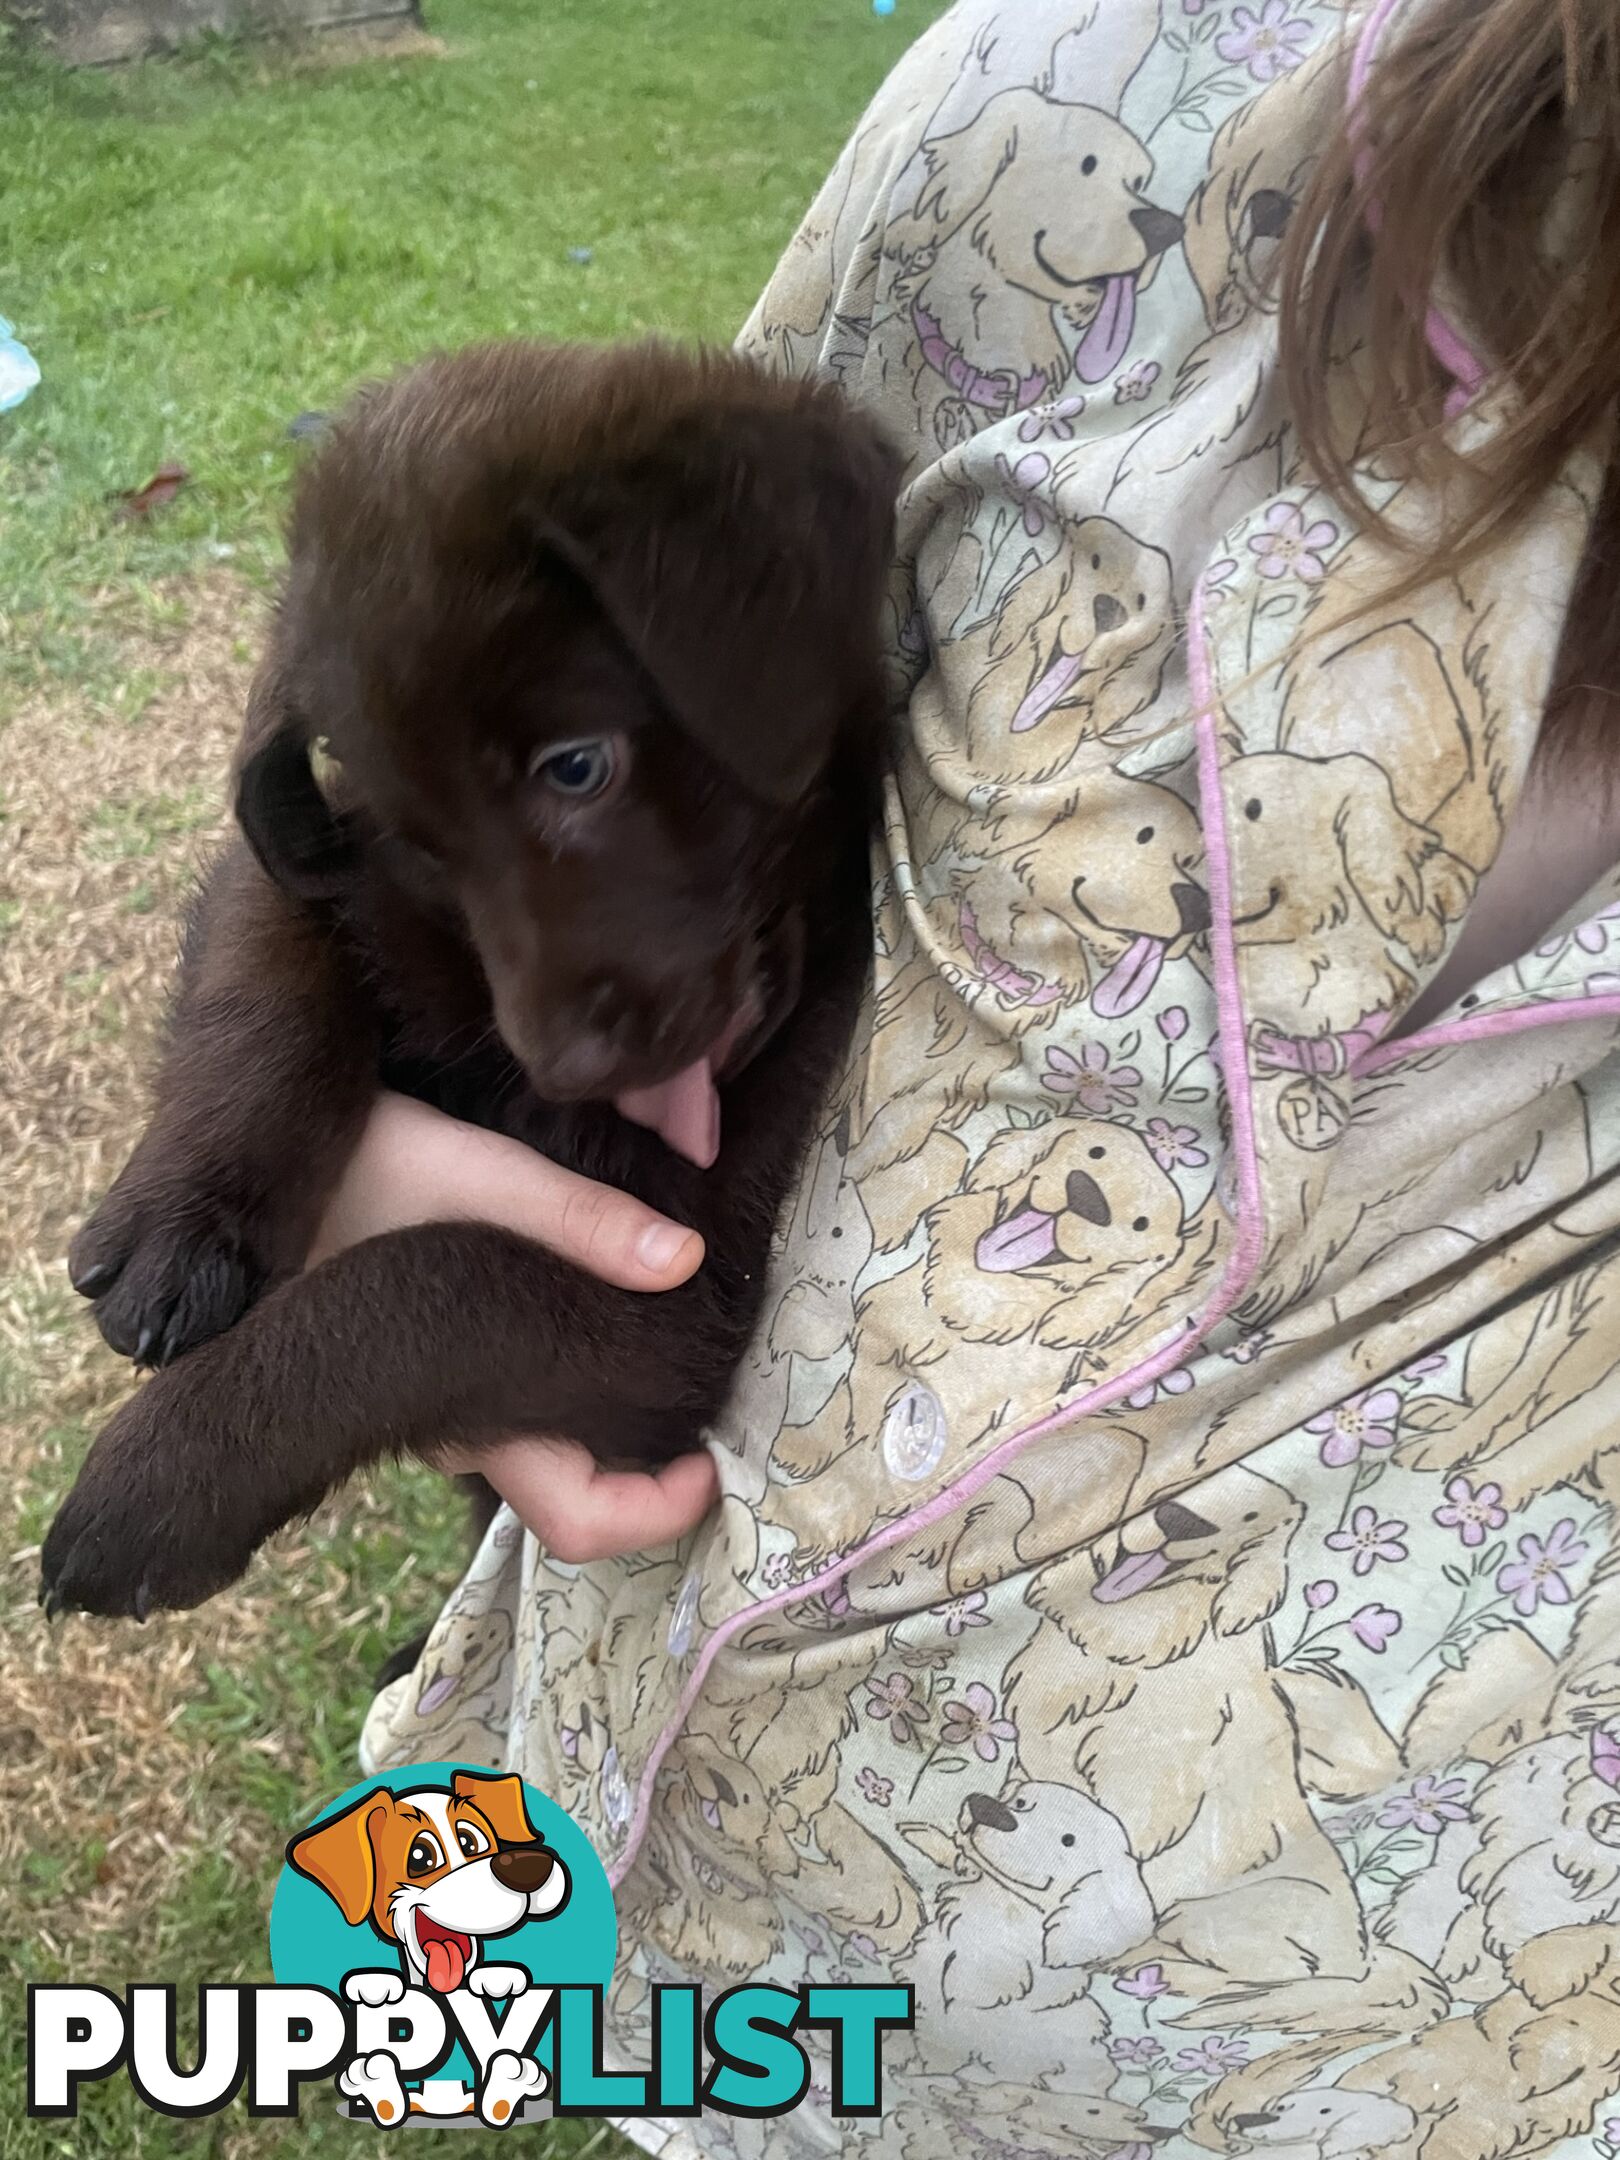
x=177 y=1292
x=375 y=2083
x=147 y=1527
x=510 y=2080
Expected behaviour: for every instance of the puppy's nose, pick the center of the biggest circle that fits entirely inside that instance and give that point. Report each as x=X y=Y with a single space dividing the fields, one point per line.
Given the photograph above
x=1177 y=1521
x=987 y=1814
x=1085 y=1198
x=1192 y=907
x=1160 y=229
x=1106 y=613
x=1269 y=212
x=521 y=1867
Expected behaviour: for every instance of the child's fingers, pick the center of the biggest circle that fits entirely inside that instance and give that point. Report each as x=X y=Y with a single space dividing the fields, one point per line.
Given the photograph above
x=413 y=1165
x=579 y=1511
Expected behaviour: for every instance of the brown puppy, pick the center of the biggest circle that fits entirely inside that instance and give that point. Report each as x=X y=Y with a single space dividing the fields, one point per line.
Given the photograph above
x=556 y=785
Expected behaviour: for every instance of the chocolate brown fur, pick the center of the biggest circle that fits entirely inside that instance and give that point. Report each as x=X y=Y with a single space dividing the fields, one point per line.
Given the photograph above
x=513 y=547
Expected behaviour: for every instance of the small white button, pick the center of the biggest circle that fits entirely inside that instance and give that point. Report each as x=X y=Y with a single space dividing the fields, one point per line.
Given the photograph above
x=615 y=1794
x=914 y=1433
x=684 y=1618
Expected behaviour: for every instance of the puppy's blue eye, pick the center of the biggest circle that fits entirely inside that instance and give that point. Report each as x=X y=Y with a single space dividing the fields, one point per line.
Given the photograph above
x=577 y=769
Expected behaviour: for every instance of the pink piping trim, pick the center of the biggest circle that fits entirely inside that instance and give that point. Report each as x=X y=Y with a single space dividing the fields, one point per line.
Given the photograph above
x=1453 y=352
x=1239 y=1273
x=1478 y=1025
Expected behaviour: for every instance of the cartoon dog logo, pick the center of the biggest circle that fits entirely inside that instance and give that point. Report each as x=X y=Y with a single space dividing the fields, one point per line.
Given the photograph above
x=437 y=1872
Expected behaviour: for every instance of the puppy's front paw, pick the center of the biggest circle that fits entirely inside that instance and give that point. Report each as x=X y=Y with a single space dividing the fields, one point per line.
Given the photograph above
x=496 y=1982
x=161 y=1515
x=166 y=1269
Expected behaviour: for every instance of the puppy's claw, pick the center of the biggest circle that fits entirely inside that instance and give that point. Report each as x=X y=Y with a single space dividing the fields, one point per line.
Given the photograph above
x=141 y=1603
x=91 y=1281
x=146 y=1344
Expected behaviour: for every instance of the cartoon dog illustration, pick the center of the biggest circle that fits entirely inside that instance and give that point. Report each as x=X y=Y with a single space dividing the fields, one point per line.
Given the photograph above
x=1047 y=1890
x=1073 y=652
x=998 y=276
x=436 y=1873
x=1211 y=435
x=1096 y=908
x=1067 y=1240
x=1382 y=867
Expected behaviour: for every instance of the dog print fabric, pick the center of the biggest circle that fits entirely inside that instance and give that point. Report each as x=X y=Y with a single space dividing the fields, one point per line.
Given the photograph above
x=1163 y=1604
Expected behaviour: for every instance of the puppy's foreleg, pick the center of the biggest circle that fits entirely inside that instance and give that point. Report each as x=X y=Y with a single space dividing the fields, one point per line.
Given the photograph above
x=271 y=1065
x=402 y=1345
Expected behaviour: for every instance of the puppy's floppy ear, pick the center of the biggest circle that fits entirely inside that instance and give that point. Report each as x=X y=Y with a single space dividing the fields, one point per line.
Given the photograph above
x=339 y=1855
x=742 y=562
x=500 y=1801
x=300 y=840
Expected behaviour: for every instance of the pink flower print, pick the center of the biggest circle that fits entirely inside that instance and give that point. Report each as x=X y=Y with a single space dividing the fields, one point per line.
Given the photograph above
x=1214 y=2056
x=1145 y=1983
x=1136 y=382
x=1173 y=1023
x=1088 y=1079
x=1471 y=1513
x=1429 y=1806
x=836 y=1598
x=892 y=1702
x=974 y=1723
x=777 y=1570
x=1290 y=548
x=1178 y=1381
x=963 y=1612
x=1134 y=2054
x=1605 y=1756
x=1320 y=1594
x=1374 y=1627
x=1216 y=581
x=1269 y=44
x=570 y=1742
x=1537 y=1577
x=1055 y=420
x=1365 y=1421
x=1021 y=480
x=879 y=1790
x=1369 y=1539
x=1423 y=1367
x=1342 y=1828
x=1174 y=1147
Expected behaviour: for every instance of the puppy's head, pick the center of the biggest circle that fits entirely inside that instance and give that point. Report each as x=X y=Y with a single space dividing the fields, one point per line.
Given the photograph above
x=592 y=638
x=436 y=1871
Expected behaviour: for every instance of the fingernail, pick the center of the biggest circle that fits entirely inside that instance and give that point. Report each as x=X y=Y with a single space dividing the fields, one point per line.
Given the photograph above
x=661 y=1246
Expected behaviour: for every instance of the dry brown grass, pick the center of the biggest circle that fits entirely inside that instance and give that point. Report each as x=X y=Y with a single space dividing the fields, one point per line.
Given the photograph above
x=109 y=813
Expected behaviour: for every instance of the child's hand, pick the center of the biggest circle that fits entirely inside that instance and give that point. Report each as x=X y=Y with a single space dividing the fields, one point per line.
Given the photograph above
x=414 y=1165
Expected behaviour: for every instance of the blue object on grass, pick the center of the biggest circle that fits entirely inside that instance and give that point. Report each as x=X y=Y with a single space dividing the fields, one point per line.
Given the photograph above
x=882 y=7
x=19 y=370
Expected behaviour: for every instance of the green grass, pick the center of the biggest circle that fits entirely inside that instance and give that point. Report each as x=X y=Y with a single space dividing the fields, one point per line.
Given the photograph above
x=197 y=251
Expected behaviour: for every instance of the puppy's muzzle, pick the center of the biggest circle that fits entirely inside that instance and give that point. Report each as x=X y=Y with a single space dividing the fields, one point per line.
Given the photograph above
x=522 y=1867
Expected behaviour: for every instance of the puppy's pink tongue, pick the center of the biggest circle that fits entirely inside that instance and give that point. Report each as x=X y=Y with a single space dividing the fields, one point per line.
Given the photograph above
x=445 y=1965
x=1104 y=345
x=684 y=1112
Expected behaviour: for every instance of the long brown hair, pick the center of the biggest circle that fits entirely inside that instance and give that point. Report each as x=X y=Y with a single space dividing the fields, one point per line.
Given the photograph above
x=1474 y=117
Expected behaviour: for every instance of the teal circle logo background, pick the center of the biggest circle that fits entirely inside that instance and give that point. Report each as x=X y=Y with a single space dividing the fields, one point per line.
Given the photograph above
x=312 y=1945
